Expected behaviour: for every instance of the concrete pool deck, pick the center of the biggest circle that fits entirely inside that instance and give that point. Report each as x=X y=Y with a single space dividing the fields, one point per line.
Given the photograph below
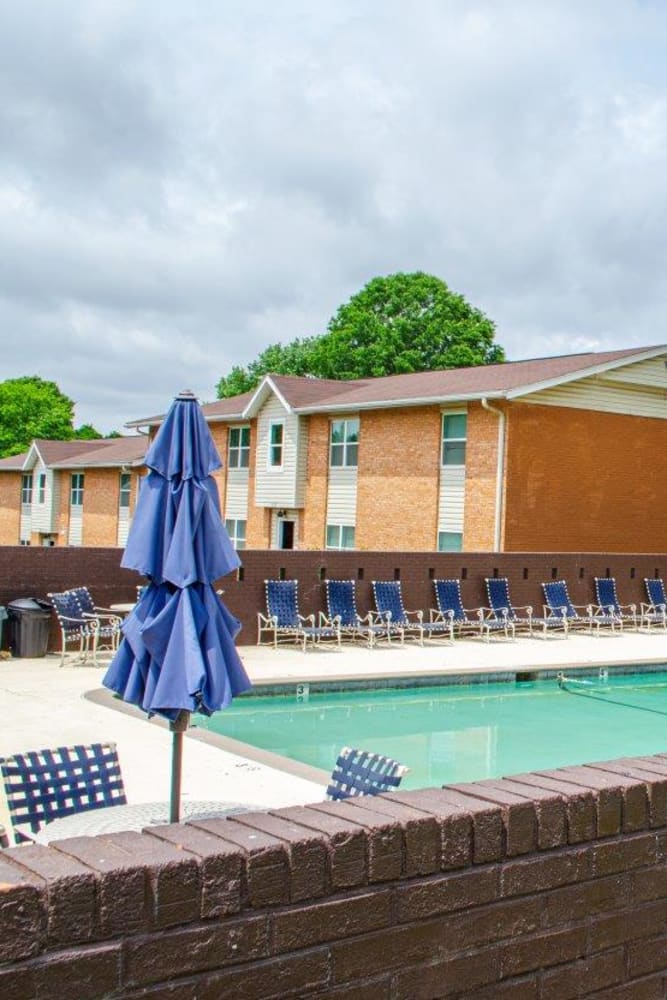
x=44 y=705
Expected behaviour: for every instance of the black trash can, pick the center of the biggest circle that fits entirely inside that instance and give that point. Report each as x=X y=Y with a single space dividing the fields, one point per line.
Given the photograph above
x=30 y=621
x=3 y=616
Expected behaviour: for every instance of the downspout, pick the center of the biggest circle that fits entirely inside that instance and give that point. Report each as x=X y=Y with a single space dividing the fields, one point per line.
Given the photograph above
x=500 y=472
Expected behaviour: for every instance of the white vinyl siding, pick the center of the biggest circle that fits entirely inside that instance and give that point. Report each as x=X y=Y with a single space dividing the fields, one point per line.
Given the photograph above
x=605 y=394
x=236 y=494
x=645 y=373
x=342 y=496
x=451 y=499
x=124 y=520
x=77 y=487
x=278 y=486
x=44 y=513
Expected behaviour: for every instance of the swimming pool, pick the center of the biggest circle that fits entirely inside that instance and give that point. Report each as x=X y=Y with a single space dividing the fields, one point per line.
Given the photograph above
x=462 y=732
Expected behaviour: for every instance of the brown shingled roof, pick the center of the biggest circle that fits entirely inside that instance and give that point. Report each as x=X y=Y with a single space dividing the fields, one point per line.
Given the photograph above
x=110 y=452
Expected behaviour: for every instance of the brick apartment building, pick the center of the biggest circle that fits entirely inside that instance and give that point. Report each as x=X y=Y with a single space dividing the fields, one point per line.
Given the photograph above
x=565 y=454
x=70 y=492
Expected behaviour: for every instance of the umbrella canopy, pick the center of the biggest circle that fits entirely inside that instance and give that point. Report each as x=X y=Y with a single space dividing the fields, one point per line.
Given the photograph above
x=177 y=653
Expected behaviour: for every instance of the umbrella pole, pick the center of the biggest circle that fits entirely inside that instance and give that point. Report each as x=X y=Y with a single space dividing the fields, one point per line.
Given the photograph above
x=177 y=727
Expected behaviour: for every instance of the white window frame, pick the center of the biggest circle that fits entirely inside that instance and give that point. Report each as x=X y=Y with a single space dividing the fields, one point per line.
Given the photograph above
x=124 y=492
x=346 y=445
x=26 y=489
x=339 y=529
x=41 y=488
x=237 y=537
x=271 y=465
x=238 y=451
x=78 y=489
x=457 y=440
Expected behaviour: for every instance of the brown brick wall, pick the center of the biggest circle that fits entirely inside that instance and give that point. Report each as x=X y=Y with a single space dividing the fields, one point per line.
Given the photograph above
x=481 y=471
x=541 y=886
x=258 y=528
x=10 y=507
x=579 y=480
x=100 y=507
x=398 y=476
x=34 y=571
x=314 y=513
x=220 y=434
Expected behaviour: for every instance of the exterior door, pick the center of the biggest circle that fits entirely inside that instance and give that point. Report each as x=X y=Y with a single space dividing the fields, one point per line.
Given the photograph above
x=285 y=534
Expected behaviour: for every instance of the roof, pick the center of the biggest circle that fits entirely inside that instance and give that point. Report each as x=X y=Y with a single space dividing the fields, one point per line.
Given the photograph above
x=81 y=454
x=511 y=378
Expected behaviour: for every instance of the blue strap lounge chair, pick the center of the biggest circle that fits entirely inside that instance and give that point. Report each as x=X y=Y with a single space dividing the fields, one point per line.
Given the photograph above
x=559 y=605
x=501 y=606
x=608 y=603
x=389 y=603
x=342 y=607
x=360 y=773
x=283 y=620
x=655 y=611
x=43 y=785
x=104 y=622
x=450 y=606
x=75 y=629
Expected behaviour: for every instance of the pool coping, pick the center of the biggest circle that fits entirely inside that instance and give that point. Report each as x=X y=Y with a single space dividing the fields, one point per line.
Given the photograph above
x=425 y=678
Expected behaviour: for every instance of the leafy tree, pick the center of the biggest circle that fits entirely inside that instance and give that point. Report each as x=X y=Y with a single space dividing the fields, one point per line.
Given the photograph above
x=86 y=432
x=396 y=324
x=31 y=407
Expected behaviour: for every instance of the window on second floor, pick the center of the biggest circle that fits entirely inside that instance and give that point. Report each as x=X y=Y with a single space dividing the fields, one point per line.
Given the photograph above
x=26 y=489
x=41 y=488
x=454 y=438
x=340 y=536
x=344 y=445
x=450 y=541
x=76 y=490
x=124 y=489
x=276 y=433
x=236 y=530
x=238 y=456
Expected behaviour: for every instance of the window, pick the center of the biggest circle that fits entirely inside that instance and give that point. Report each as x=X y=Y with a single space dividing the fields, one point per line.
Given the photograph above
x=450 y=541
x=276 y=446
x=124 y=490
x=26 y=489
x=344 y=446
x=454 y=438
x=236 y=531
x=76 y=490
x=239 y=448
x=340 y=536
x=41 y=488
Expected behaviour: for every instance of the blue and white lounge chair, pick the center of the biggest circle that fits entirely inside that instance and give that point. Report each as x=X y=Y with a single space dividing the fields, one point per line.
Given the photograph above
x=283 y=620
x=501 y=606
x=389 y=603
x=360 y=773
x=608 y=603
x=43 y=785
x=342 y=608
x=75 y=629
x=450 y=607
x=559 y=605
x=105 y=622
x=655 y=611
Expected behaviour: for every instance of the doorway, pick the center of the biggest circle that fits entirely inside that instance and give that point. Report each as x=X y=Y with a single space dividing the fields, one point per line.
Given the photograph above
x=285 y=534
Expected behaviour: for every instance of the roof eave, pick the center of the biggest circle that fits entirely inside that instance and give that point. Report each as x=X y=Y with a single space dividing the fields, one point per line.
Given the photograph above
x=439 y=400
x=580 y=373
x=266 y=386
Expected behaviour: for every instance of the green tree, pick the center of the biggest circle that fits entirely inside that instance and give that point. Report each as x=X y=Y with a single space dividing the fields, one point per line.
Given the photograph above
x=86 y=432
x=31 y=407
x=395 y=324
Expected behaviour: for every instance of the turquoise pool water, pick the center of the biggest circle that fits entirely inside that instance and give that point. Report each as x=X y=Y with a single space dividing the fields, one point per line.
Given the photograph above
x=463 y=732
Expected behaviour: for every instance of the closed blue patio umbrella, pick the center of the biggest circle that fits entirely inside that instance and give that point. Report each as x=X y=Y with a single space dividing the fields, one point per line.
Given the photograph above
x=177 y=655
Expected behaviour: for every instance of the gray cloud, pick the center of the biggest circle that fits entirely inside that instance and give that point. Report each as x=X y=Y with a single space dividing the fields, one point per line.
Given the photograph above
x=180 y=187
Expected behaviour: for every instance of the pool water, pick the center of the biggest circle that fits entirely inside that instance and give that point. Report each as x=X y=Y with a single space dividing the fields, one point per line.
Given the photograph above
x=461 y=732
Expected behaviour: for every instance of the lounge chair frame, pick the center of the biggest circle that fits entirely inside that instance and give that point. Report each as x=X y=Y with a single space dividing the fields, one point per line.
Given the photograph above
x=653 y=613
x=608 y=603
x=388 y=598
x=342 y=607
x=497 y=588
x=284 y=622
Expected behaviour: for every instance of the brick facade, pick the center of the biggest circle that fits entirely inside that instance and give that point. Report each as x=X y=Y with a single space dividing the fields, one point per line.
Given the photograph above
x=398 y=476
x=314 y=514
x=10 y=507
x=578 y=479
x=539 y=886
x=481 y=475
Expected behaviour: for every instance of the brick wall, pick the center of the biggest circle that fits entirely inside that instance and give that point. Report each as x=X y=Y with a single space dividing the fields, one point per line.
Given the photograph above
x=541 y=887
x=34 y=571
x=100 y=507
x=314 y=513
x=10 y=507
x=398 y=474
x=481 y=470
x=577 y=476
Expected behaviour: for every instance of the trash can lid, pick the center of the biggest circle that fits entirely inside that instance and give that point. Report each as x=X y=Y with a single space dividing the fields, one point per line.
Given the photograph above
x=28 y=604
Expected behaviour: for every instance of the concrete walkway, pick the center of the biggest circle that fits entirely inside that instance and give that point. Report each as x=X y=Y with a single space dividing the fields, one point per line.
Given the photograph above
x=44 y=705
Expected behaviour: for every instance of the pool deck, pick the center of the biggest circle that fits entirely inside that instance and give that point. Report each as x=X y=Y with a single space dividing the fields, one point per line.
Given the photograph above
x=44 y=705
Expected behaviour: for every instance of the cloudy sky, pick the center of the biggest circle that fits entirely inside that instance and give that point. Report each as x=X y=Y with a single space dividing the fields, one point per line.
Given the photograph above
x=182 y=184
